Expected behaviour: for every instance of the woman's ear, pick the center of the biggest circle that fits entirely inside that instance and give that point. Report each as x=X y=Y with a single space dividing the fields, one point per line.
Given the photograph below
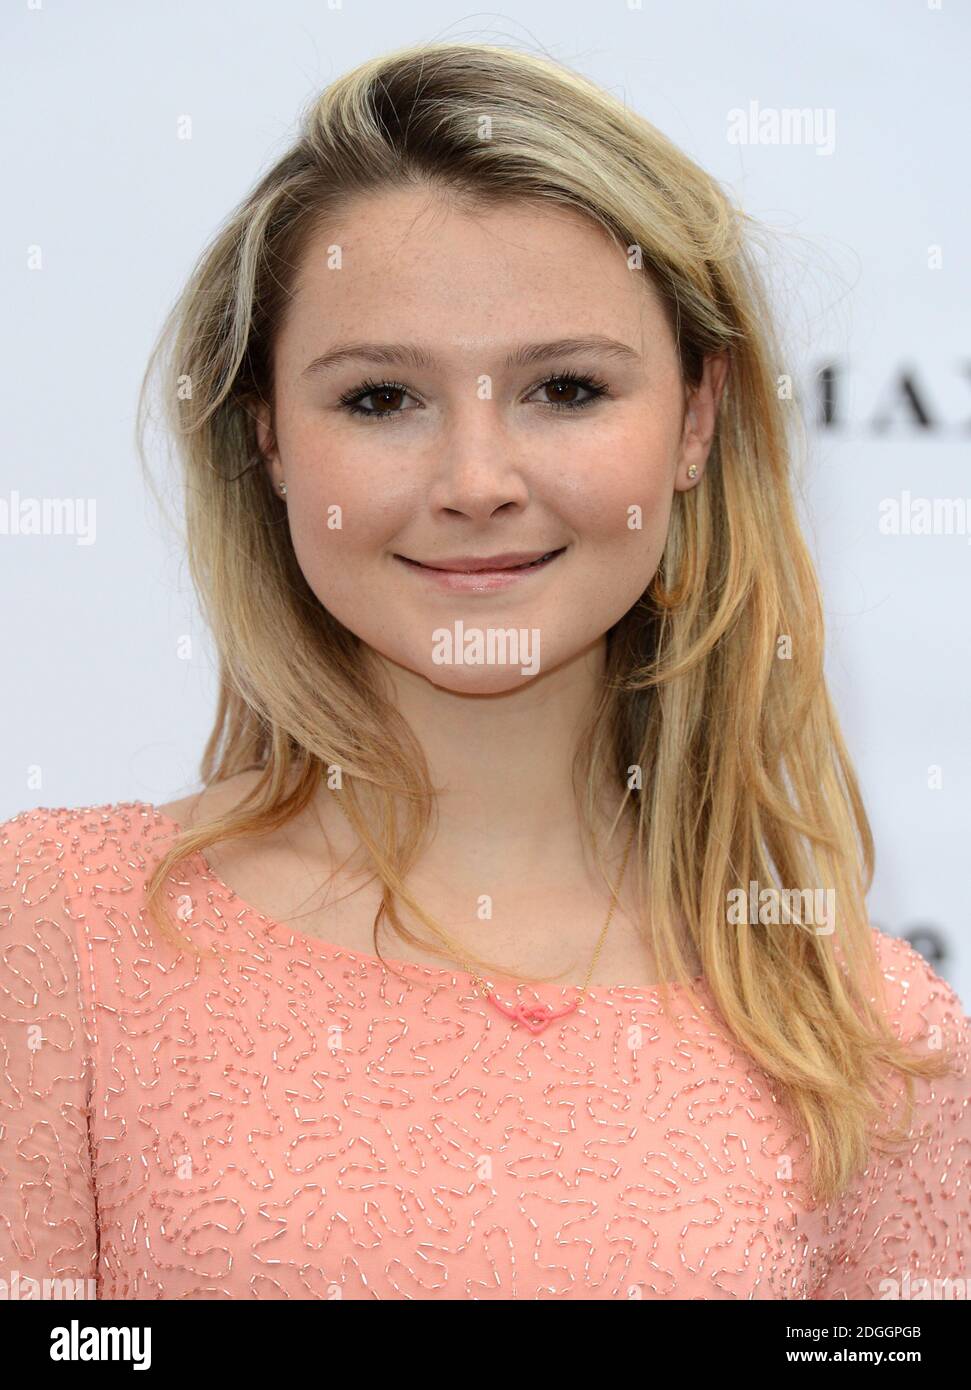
x=266 y=441
x=701 y=418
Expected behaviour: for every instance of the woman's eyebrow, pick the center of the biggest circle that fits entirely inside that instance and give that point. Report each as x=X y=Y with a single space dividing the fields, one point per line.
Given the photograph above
x=413 y=355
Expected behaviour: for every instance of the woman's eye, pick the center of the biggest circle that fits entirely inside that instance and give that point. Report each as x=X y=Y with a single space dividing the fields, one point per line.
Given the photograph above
x=386 y=394
x=563 y=393
x=564 y=390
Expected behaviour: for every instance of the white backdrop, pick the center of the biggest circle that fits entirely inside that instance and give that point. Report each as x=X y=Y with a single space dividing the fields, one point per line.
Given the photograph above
x=866 y=188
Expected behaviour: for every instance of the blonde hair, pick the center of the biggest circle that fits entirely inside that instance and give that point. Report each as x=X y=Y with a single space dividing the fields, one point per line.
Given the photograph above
x=741 y=767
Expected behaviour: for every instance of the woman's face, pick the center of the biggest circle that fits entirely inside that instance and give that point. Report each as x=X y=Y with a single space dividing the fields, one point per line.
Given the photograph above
x=467 y=444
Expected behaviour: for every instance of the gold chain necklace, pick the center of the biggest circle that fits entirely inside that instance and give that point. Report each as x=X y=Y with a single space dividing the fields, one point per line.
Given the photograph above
x=538 y=1016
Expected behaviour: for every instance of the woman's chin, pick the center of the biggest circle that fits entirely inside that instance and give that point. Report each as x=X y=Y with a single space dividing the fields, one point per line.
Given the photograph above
x=479 y=680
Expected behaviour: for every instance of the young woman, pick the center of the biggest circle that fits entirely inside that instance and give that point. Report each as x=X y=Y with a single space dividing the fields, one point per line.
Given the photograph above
x=489 y=506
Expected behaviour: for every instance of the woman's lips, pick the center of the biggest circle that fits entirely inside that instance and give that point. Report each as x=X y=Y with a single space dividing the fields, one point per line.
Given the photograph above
x=479 y=581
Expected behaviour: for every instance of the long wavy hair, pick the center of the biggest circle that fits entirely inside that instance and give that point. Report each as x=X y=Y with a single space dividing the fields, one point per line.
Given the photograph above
x=730 y=755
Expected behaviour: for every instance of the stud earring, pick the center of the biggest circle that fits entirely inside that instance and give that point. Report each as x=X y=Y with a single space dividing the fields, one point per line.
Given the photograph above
x=693 y=471
x=283 y=489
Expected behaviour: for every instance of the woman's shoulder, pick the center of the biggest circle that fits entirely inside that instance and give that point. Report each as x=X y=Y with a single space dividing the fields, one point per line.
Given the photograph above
x=59 y=860
x=919 y=1003
x=66 y=834
x=907 y=1225
x=69 y=835
x=74 y=900
x=81 y=857
x=64 y=872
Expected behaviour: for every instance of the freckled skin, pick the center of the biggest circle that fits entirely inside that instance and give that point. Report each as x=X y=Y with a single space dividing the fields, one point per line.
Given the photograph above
x=459 y=474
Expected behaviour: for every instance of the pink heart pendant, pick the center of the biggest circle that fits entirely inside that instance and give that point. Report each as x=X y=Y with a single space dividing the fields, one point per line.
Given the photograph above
x=535 y=1017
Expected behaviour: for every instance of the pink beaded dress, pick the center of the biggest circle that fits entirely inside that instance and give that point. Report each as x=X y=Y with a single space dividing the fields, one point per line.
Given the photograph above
x=291 y=1121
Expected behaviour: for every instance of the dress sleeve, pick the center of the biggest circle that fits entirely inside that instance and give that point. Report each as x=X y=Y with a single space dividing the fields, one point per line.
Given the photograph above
x=909 y=1221
x=48 y=1213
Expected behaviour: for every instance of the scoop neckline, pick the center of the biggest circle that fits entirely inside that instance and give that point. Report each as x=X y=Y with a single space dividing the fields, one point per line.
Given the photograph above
x=331 y=949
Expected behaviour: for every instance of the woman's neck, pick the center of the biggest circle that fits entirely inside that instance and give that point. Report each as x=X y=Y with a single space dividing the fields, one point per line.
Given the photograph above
x=502 y=766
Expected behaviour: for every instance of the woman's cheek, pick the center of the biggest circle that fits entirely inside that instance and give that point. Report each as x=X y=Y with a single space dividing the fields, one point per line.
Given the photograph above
x=341 y=513
x=629 y=498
